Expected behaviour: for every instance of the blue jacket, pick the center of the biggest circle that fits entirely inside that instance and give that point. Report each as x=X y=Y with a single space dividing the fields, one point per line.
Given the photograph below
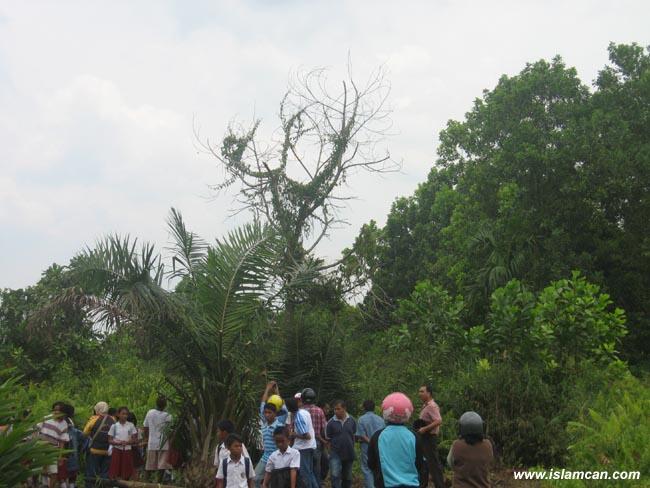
x=395 y=457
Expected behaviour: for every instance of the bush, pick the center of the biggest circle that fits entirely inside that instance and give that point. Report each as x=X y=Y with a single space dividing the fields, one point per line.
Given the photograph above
x=612 y=435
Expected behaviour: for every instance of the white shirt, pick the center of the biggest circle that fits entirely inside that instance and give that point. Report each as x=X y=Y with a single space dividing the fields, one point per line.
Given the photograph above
x=287 y=459
x=121 y=432
x=301 y=424
x=223 y=452
x=237 y=475
x=156 y=421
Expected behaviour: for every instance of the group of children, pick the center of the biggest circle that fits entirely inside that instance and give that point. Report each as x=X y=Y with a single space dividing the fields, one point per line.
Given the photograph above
x=112 y=444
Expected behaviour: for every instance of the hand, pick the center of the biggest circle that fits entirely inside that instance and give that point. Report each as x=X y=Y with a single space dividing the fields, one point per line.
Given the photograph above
x=422 y=430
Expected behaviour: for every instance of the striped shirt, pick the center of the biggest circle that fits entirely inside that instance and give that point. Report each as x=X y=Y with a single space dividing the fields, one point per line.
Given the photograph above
x=302 y=425
x=54 y=431
x=267 y=432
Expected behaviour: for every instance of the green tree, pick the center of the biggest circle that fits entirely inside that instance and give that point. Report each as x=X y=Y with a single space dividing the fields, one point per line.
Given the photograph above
x=542 y=177
x=41 y=344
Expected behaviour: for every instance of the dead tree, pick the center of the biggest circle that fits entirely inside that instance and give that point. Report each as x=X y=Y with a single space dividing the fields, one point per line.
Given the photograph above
x=295 y=182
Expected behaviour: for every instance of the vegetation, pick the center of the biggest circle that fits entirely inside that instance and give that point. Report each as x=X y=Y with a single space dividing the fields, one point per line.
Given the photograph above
x=514 y=280
x=21 y=454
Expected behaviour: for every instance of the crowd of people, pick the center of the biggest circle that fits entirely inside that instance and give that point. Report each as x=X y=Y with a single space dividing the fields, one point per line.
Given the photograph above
x=301 y=444
x=113 y=445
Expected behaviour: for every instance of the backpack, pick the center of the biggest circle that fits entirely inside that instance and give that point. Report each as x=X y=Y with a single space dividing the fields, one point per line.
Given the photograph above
x=247 y=466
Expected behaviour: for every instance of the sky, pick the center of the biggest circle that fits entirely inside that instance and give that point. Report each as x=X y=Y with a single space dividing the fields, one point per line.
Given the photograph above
x=100 y=100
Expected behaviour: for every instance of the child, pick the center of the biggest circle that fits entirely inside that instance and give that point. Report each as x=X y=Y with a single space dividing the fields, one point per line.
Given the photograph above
x=471 y=455
x=283 y=465
x=138 y=456
x=224 y=429
x=55 y=431
x=235 y=471
x=76 y=440
x=122 y=435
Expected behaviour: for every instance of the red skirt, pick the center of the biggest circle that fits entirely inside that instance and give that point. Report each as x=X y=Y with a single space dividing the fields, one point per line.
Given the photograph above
x=62 y=470
x=121 y=465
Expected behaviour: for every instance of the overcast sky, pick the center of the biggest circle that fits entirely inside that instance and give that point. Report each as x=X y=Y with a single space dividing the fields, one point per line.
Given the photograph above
x=98 y=99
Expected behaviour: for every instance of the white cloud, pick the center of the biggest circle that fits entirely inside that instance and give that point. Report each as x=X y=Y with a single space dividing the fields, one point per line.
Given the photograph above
x=99 y=98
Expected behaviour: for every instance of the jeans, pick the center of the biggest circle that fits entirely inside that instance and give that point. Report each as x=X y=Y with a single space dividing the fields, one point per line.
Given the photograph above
x=307 y=468
x=260 y=473
x=340 y=471
x=96 y=467
x=368 y=478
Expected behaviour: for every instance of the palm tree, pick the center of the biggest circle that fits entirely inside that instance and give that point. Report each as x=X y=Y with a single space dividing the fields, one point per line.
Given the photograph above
x=205 y=330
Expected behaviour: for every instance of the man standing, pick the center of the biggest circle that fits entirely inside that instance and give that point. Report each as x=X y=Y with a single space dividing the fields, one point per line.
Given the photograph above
x=155 y=425
x=430 y=415
x=340 y=433
x=367 y=425
x=304 y=440
x=318 y=420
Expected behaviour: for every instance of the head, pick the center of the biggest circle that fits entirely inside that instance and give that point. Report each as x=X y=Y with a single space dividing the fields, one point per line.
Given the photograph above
x=58 y=410
x=161 y=403
x=425 y=393
x=101 y=408
x=224 y=429
x=292 y=405
x=277 y=401
x=281 y=437
x=68 y=410
x=368 y=406
x=270 y=412
x=397 y=408
x=123 y=414
x=112 y=412
x=132 y=418
x=340 y=409
x=470 y=427
x=308 y=396
x=234 y=444
x=298 y=397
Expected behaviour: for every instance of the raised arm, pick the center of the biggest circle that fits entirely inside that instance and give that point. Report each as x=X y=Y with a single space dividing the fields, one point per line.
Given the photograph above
x=267 y=391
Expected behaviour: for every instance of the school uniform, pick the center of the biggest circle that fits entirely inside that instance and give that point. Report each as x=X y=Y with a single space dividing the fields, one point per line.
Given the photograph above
x=280 y=465
x=122 y=457
x=236 y=473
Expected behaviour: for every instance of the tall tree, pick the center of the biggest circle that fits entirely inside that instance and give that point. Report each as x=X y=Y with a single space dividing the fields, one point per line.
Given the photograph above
x=542 y=177
x=294 y=182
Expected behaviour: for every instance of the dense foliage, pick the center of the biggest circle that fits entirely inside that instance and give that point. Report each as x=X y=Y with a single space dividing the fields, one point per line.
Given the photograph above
x=515 y=280
x=541 y=178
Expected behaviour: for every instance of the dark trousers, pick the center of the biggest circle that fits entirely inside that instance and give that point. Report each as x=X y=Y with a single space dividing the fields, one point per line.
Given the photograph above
x=318 y=453
x=96 y=467
x=430 y=448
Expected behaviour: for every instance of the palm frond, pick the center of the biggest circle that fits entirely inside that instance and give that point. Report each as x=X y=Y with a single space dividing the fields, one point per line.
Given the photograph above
x=189 y=250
